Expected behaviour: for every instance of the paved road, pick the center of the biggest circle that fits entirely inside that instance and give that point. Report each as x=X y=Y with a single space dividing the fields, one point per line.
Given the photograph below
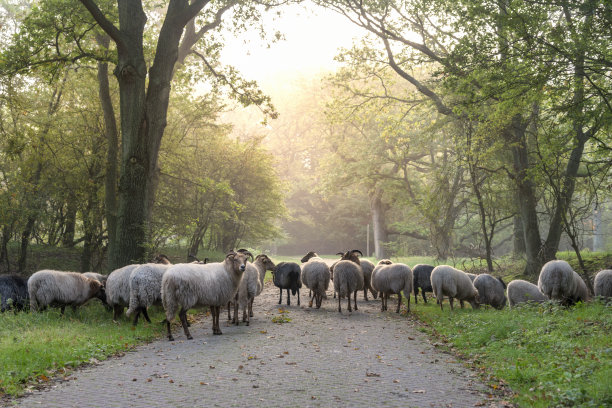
x=318 y=359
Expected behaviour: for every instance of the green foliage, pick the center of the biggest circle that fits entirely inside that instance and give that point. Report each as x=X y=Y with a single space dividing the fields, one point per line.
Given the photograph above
x=547 y=355
x=36 y=347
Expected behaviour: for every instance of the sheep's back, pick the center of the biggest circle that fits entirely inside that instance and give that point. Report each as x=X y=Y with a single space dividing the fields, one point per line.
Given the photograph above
x=393 y=279
x=287 y=276
x=145 y=283
x=13 y=287
x=316 y=276
x=490 y=291
x=192 y=285
x=556 y=280
x=49 y=286
x=348 y=278
x=452 y=282
x=421 y=274
x=603 y=283
x=521 y=291
x=118 y=285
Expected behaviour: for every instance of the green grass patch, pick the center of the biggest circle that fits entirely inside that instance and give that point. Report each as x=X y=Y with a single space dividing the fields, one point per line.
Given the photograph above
x=35 y=347
x=548 y=355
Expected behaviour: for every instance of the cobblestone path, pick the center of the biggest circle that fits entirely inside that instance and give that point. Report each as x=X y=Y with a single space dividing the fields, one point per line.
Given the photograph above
x=318 y=359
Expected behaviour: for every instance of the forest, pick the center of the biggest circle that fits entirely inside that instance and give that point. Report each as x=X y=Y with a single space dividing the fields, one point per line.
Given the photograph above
x=450 y=129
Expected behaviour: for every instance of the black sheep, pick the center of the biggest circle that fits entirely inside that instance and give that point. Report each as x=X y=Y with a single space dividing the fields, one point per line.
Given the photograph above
x=421 y=278
x=15 y=289
x=287 y=275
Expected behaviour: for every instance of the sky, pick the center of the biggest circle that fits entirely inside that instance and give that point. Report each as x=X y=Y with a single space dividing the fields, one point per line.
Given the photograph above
x=313 y=38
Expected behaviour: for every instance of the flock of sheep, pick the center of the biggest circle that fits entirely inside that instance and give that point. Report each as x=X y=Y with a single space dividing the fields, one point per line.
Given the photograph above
x=235 y=282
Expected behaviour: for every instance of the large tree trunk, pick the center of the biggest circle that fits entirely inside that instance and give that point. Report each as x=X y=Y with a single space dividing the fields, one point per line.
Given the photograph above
x=112 y=141
x=71 y=212
x=377 y=208
x=526 y=196
x=518 y=238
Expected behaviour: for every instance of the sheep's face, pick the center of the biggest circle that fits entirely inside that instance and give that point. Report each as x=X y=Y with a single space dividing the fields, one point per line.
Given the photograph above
x=238 y=260
x=308 y=256
x=267 y=262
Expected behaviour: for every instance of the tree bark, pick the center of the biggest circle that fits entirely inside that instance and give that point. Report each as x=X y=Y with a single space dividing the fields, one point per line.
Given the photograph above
x=112 y=141
x=518 y=239
x=379 y=226
x=71 y=212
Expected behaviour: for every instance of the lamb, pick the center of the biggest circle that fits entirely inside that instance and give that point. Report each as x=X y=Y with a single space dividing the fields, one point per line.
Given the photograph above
x=558 y=281
x=185 y=286
x=491 y=290
x=421 y=279
x=521 y=291
x=55 y=288
x=145 y=289
x=603 y=284
x=456 y=284
x=348 y=278
x=315 y=276
x=13 y=292
x=118 y=286
x=287 y=275
x=392 y=278
x=250 y=287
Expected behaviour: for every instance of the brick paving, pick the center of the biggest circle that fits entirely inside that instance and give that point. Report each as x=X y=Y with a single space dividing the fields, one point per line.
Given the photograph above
x=318 y=359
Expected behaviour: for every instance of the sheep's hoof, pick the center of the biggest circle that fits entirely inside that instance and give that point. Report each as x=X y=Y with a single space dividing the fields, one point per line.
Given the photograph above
x=170 y=338
x=218 y=333
x=189 y=337
x=247 y=323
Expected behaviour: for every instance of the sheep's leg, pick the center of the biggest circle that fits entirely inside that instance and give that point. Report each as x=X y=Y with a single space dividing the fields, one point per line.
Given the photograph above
x=169 y=331
x=339 y=306
x=280 y=300
x=135 y=322
x=251 y=307
x=399 y=302
x=288 y=298
x=229 y=310
x=461 y=303
x=365 y=293
x=73 y=309
x=235 y=319
x=416 y=294
x=349 y=302
x=451 y=300
x=217 y=328
x=355 y=299
x=408 y=302
x=424 y=297
x=183 y=317
x=374 y=293
x=298 y=291
x=311 y=296
x=440 y=299
x=146 y=314
x=63 y=308
x=117 y=310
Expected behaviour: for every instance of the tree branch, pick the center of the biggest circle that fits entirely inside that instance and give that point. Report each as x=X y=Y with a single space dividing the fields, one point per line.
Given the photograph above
x=104 y=23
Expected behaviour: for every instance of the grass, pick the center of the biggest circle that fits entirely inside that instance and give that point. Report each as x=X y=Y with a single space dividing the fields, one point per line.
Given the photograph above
x=37 y=347
x=549 y=356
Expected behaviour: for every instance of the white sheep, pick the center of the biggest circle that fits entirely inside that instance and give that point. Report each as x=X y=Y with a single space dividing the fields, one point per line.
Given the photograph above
x=367 y=267
x=185 y=286
x=250 y=287
x=456 y=284
x=491 y=290
x=118 y=286
x=521 y=291
x=558 y=281
x=603 y=284
x=348 y=278
x=315 y=276
x=56 y=288
x=392 y=278
x=145 y=289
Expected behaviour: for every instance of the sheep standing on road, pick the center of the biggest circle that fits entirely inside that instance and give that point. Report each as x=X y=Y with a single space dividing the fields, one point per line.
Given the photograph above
x=13 y=292
x=391 y=279
x=421 y=279
x=250 y=287
x=521 y=291
x=603 y=284
x=55 y=288
x=491 y=291
x=185 y=286
x=558 y=281
x=145 y=289
x=348 y=278
x=287 y=275
x=315 y=276
x=456 y=284
x=367 y=268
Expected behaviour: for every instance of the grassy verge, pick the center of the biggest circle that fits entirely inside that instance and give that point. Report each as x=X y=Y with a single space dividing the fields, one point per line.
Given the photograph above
x=549 y=356
x=37 y=347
